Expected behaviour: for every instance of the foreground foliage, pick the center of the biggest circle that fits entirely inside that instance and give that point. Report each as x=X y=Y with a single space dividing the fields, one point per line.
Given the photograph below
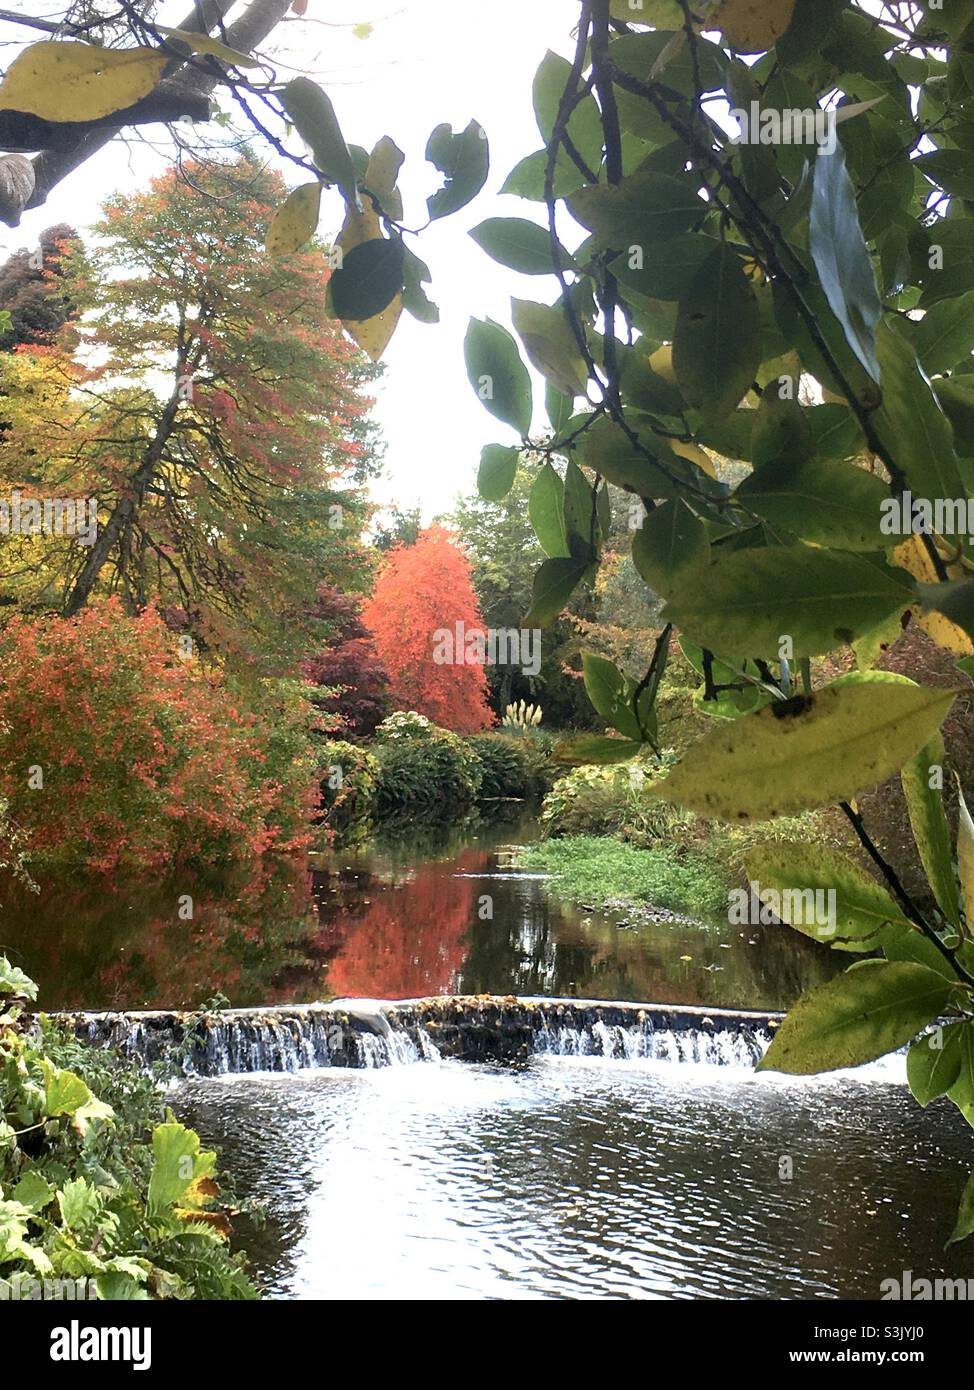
x=98 y=1182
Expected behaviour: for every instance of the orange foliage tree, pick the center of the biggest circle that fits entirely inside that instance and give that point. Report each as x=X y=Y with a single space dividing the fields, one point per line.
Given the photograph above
x=425 y=619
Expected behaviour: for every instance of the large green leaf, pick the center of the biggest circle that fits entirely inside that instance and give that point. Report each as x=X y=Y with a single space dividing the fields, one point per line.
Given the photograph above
x=805 y=752
x=463 y=160
x=550 y=344
x=934 y=1062
x=370 y=277
x=596 y=748
x=498 y=467
x=717 y=344
x=870 y=1010
x=178 y=1163
x=315 y=121
x=670 y=542
x=943 y=337
x=546 y=511
x=930 y=828
x=824 y=501
x=841 y=257
x=745 y=601
x=964 y=1226
x=911 y=422
x=610 y=690
x=497 y=374
x=553 y=586
x=585 y=123
x=862 y=906
x=641 y=210
x=651 y=470
x=519 y=244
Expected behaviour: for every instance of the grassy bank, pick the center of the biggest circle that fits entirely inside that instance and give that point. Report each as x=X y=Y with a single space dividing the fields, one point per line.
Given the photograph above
x=600 y=872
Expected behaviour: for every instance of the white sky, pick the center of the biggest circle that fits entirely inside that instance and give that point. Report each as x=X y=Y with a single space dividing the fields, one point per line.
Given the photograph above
x=426 y=61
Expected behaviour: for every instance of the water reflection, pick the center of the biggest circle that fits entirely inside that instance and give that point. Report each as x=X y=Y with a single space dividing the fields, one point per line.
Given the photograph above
x=427 y=915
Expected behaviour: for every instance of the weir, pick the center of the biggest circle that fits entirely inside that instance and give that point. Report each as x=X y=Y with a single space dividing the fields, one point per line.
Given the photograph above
x=376 y=1033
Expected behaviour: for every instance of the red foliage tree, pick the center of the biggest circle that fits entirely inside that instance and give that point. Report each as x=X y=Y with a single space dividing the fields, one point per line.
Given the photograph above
x=349 y=667
x=424 y=591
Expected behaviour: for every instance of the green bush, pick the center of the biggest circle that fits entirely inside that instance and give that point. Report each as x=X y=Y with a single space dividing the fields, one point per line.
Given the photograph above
x=349 y=789
x=615 y=800
x=98 y=1181
x=424 y=769
x=510 y=766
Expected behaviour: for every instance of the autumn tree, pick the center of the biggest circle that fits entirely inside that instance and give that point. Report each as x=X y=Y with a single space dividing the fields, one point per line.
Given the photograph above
x=353 y=681
x=422 y=592
x=213 y=409
x=32 y=290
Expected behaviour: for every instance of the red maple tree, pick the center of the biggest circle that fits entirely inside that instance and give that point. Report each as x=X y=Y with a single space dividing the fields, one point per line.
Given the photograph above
x=422 y=592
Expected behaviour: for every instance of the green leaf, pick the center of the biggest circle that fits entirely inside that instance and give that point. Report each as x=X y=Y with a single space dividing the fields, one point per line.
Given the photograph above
x=314 y=119
x=585 y=123
x=930 y=828
x=951 y=169
x=657 y=472
x=965 y=855
x=965 y=1214
x=80 y=1204
x=497 y=374
x=610 y=692
x=178 y=1163
x=642 y=210
x=550 y=345
x=64 y=1092
x=498 y=467
x=595 y=748
x=824 y=501
x=745 y=601
x=717 y=343
x=942 y=338
x=33 y=1192
x=665 y=270
x=841 y=257
x=933 y=1063
x=370 y=277
x=814 y=749
x=863 y=1014
x=581 y=517
x=670 y=542
x=463 y=160
x=558 y=408
x=415 y=274
x=14 y=981
x=546 y=510
x=862 y=906
x=519 y=244
x=553 y=586
x=527 y=178
x=912 y=424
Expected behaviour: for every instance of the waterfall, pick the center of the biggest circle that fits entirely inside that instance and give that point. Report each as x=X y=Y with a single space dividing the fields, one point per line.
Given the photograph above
x=363 y=1033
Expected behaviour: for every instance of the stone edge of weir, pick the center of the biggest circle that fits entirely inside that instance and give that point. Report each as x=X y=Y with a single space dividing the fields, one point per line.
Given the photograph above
x=353 y=1032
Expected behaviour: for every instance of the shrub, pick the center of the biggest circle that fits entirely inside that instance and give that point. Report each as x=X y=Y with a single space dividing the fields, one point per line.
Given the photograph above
x=614 y=800
x=348 y=789
x=511 y=767
x=424 y=768
x=113 y=749
x=97 y=1180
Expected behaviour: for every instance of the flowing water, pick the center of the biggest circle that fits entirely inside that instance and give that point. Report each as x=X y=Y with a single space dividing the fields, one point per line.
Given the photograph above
x=621 y=1158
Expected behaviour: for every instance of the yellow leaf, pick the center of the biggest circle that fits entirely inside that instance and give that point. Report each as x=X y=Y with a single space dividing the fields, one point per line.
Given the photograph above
x=797 y=754
x=373 y=335
x=661 y=362
x=751 y=26
x=359 y=227
x=295 y=221
x=66 y=81
x=385 y=161
x=202 y=43
x=695 y=454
